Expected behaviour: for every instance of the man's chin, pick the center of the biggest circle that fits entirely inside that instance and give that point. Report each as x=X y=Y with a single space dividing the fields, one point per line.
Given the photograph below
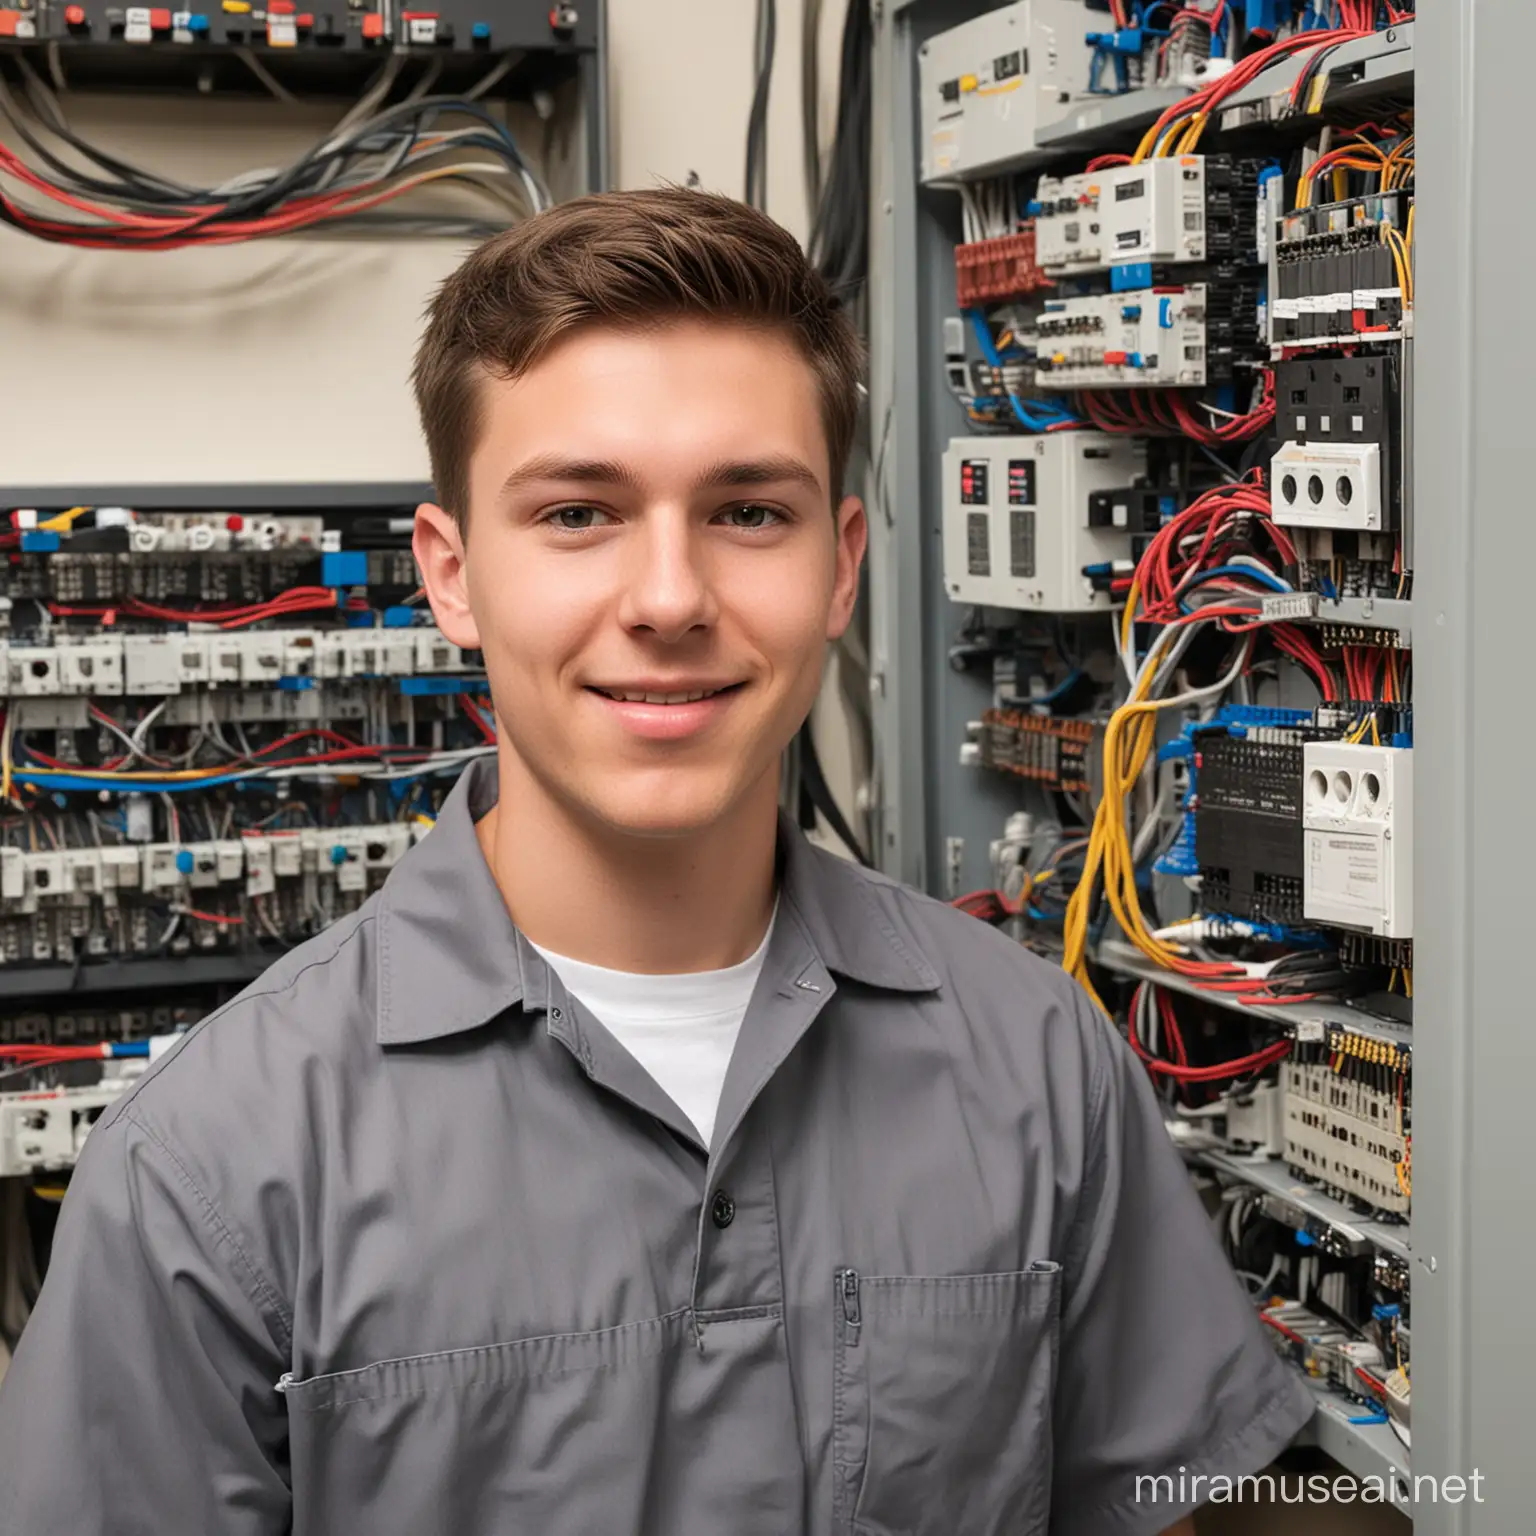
x=680 y=804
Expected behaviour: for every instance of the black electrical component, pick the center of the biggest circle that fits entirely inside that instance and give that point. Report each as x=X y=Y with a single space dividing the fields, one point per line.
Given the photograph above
x=1135 y=509
x=1248 y=831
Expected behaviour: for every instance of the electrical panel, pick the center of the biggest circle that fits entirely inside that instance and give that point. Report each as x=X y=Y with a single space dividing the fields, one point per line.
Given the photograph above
x=1203 y=767
x=226 y=727
x=1017 y=529
x=986 y=86
x=1189 y=209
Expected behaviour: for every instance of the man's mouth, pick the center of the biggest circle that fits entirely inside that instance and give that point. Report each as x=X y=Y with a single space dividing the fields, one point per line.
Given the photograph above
x=637 y=696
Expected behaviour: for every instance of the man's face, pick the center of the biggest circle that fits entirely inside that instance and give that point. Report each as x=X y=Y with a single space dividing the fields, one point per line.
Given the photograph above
x=650 y=521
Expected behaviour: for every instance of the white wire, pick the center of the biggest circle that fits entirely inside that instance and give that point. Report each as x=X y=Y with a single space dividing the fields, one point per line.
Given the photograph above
x=1212 y=410
x=134 y=752
x=1253 y=563
x=142 y=728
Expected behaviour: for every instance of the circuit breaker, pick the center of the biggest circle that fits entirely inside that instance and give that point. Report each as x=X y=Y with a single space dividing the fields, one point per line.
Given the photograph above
x=1339 y=420
x=988 y=85
x=1018 y=530
x=1143 y=339
x=1357 y=811
x=1189 y=209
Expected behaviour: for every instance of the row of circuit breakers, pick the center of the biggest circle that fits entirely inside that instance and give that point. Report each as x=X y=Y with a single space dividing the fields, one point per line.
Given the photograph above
x=456 y=25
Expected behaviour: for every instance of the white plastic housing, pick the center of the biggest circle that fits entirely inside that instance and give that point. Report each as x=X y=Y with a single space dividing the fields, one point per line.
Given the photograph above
x=1151 y=212
x=1145 y=338
x=1357 y=818
x=1022 y=538
x=986 y=86
x=1326 y=485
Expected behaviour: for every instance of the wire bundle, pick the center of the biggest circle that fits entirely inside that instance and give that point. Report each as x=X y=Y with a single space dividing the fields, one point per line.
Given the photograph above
x=1179 y=129
x=337 y=753
x=1160 y=412
x=294 y=600
x=839 y=241
x=1205 y=569
x=372 y=158
x=1180 y=1069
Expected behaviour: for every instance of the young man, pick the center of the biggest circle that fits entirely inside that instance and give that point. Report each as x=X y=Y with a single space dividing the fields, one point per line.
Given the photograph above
x=629 y=1166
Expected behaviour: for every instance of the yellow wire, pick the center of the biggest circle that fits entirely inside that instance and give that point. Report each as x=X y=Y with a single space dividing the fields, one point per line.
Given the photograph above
x=1408 y=981
x=1394 y=243
x=64 y=520
x=5 y=758
x=1129 y=738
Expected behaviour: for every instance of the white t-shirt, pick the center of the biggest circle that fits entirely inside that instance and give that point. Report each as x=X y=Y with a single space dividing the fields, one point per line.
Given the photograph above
x=681 y=1029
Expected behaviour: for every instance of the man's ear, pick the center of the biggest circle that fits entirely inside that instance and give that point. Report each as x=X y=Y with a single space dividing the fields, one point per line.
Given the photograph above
x=438 y=544
x=852 y=539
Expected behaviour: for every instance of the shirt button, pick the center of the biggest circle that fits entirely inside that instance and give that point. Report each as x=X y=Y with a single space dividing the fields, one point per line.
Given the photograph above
x=556 y=1014
x=723 y=1211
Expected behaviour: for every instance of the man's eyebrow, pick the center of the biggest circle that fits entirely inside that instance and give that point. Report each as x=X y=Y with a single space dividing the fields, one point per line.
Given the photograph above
x=775 y=469
x=555 y=466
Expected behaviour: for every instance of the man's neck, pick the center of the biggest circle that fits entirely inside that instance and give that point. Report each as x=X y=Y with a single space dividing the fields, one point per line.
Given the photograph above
x=653 y=905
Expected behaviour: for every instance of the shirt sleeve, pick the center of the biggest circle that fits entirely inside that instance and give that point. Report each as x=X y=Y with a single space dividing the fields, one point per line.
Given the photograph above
x=142 y=1394
x=1164 y=1378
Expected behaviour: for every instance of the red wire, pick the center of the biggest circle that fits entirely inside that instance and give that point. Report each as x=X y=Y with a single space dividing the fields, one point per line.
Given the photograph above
x=473 y=711
x=1181 y=1072
x=1210 y=96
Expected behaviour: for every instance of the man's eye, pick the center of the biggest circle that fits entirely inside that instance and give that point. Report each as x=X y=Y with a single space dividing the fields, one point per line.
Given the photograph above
x=575 y=519
x=754 y=514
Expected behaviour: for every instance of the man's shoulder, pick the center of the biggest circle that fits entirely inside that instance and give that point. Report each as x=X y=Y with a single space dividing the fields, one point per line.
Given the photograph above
x=974 y=960
x=1030 y=1031
x=312 y=1008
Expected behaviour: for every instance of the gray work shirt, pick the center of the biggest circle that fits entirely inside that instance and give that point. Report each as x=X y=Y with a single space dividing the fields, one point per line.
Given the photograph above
x=403 y=1241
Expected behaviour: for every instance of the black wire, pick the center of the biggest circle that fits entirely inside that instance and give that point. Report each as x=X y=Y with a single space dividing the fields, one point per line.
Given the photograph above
x=839 y=242
x=814 y=783
x=756 y=188
x=394 y=132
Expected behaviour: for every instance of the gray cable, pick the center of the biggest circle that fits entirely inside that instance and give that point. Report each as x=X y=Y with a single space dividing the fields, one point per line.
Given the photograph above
x=757 y=119
x=810 y=98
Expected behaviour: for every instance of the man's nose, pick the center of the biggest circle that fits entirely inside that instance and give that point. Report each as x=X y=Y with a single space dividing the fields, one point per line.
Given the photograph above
x=667 y=587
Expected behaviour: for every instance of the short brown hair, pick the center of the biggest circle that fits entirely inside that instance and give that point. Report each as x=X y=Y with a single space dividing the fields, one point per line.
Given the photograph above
x=621 y=259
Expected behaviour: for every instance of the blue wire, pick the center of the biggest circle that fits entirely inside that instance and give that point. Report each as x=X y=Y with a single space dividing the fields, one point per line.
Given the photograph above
x=1264 y=578
x=983 y=334
x=1063 y=687
x=1046 y=412
x=49 y=778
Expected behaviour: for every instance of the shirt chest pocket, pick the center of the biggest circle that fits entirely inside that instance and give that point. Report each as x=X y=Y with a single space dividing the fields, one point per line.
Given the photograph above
x=942 y=1402
x=520 y=1436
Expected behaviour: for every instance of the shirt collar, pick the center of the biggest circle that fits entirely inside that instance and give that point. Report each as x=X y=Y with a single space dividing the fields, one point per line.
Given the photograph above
x=451 y=958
